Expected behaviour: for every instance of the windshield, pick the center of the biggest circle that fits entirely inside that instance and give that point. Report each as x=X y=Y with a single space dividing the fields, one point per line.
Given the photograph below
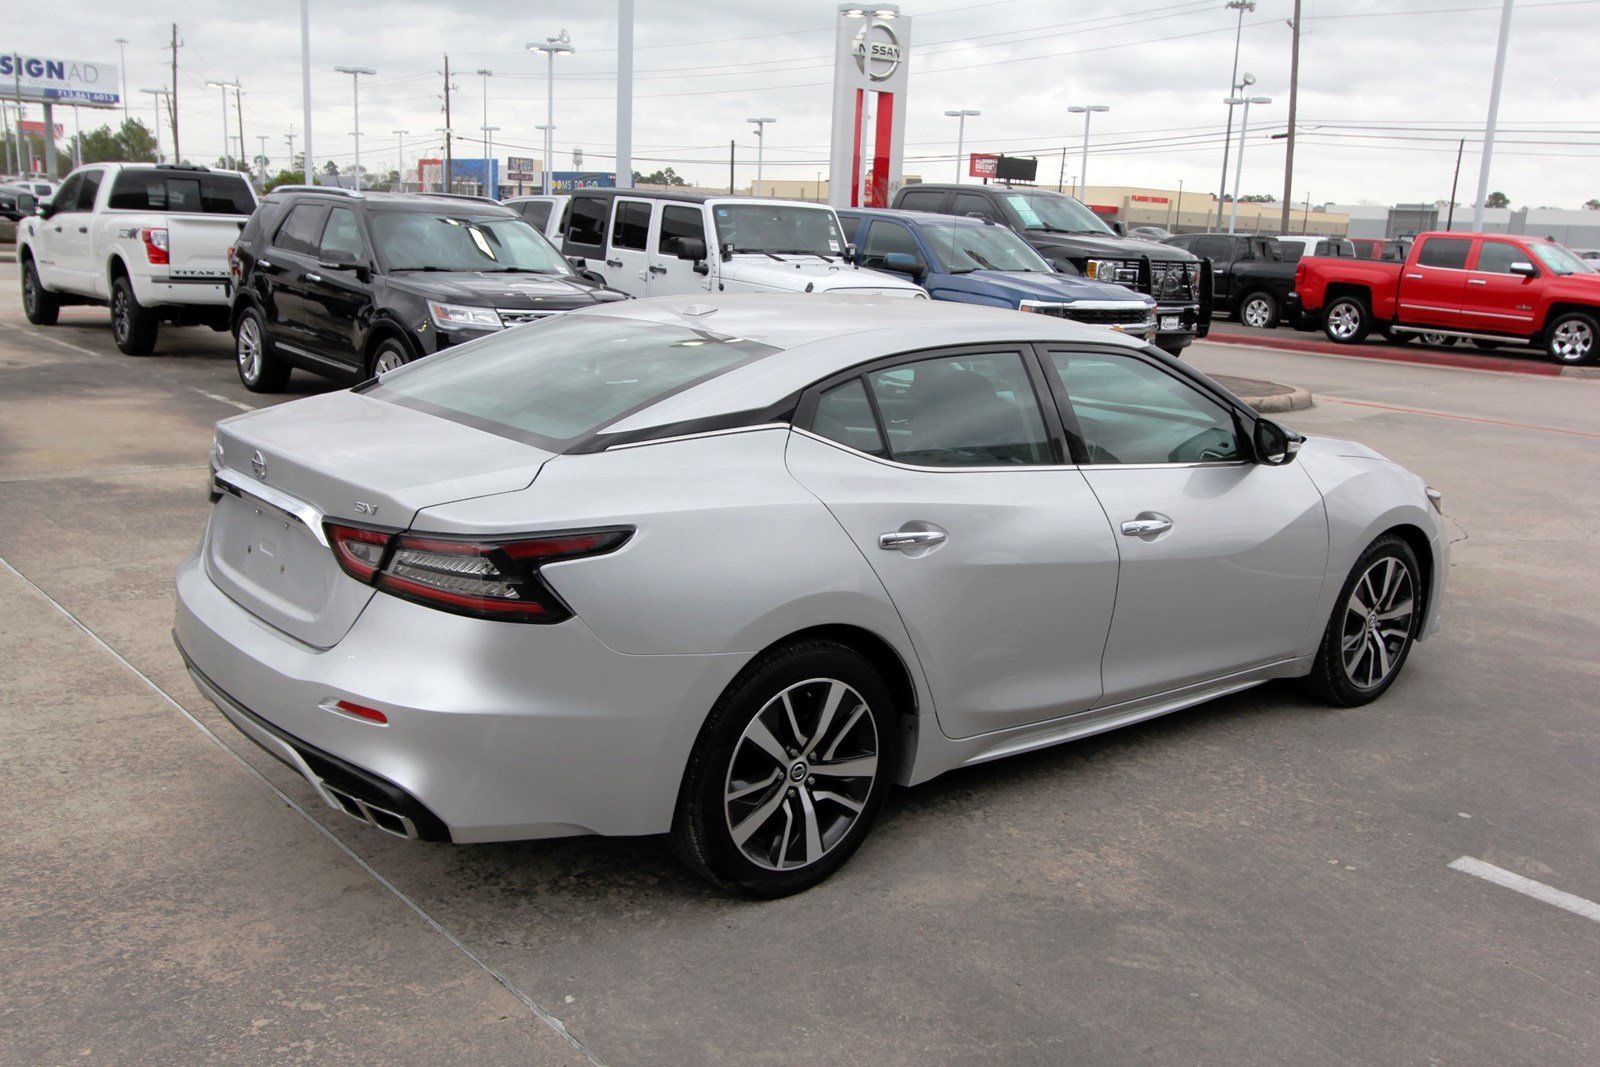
x=1560 y=261
x=563 y=378
x=776 y=228
x=1052 y=211
x=415 y=240
x=961 y=248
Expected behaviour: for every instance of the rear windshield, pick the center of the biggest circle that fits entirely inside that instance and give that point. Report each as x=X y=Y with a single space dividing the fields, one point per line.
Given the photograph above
x=562 y=379
x=196 y=194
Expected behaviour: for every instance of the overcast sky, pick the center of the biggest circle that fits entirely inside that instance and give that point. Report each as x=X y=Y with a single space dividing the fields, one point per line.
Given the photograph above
x=1386 y=86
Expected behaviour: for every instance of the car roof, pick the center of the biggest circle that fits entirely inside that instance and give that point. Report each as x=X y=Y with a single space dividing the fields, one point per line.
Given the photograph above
x=396 y=201
x=816 y=335
x=914 y=217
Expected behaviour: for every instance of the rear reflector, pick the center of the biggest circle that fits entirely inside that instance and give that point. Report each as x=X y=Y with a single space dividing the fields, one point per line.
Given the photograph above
x=496 y=579
x=361 y=712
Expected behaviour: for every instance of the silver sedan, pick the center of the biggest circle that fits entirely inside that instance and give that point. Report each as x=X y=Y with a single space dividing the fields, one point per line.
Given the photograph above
x=729 y=568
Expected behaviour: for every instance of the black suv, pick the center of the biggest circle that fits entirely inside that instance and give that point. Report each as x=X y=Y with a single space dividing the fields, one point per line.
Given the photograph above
x=1075 y=241
x=348 y=285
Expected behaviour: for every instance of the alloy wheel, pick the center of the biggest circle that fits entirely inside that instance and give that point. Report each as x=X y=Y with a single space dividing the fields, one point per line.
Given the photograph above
x=1344 y=320
x=1377 y=622
x=389 y=357
x=1257 y=312
x=249 y=349
x=801 y=774
x=1438 y=340
x=30 y=291
x=119 y=314
x=1573 y=341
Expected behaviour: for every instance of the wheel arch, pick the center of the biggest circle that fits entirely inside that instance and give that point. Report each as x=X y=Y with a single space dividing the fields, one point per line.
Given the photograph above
x=1336 y=290
x=115 y=266
x=384 y=329
x=1567 y=307
x=1417 y=540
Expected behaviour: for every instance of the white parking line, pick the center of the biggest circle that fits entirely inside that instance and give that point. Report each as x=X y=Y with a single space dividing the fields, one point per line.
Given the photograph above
x=221 y=399
x=539 y=1011
x=1527 y=886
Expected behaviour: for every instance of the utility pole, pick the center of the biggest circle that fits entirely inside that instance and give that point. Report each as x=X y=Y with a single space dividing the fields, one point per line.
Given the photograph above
x=730 y=168
x=172 y=97
x=1494 y=113
x=400 y=161
x=1294 y=93
x=448 y=160
x=290 y=138
x=485 y=74
x=238 y=110
x=262 y=158
x=1061 y=179
x=1450 y=216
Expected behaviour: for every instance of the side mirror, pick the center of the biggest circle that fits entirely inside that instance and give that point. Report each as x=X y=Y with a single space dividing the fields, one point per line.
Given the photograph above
x=850 y=252
x=904 y=263
x=578 y=263
x=1524 y=268
x=27 y=204
x=43 y=208
x=1121 y=231
x=1275 y=446
x=339 y=259
x=691 y=248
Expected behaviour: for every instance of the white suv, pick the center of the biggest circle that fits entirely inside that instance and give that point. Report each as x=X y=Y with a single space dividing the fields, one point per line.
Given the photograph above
x=149 y=240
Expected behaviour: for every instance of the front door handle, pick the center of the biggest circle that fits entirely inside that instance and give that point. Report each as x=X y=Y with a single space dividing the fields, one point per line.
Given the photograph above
x=899 y=539
x=1148 y=524
x=83 y=229
x=313 y=277
x=613 y=262
x=656 y=269
x=1477 y=281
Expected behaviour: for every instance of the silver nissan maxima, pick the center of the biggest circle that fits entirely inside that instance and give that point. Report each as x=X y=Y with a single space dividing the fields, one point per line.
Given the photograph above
x=727 y=568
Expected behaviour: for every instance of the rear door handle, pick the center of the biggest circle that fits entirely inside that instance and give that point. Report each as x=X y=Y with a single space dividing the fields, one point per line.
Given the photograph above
x=83 y=229
x=655 y=269
x=264 y=265
x=1148 y=524
x=613 y=262
x=1477 y=281
x=899 y=539
x=313 y=277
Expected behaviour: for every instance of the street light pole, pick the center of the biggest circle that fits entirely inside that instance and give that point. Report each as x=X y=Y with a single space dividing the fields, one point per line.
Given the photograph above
x=1494 y=112
x=122 y=54
x=227 y=145
x=1235 y=87
x=355 y=87
x=490 y=186
x=761 y=146
x=485 y=74
x=560 y=44
x=400 y=160
x=1238 y=166
x=305 y=86
x=1088 y=111
x=156 y=95
x=961 y=134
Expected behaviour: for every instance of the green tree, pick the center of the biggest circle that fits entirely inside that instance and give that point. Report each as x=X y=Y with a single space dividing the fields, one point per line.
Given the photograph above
x=1592 y=204
x=133 y=142
x=330 y=168
x=1497 y=200
x=668 y=176
x=1257 y=198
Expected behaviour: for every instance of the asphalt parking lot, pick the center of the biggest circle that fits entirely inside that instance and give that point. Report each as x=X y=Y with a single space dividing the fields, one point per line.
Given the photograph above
x=1258 y=881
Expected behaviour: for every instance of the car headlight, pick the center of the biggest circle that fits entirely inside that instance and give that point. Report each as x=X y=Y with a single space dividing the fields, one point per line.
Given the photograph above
x=462 y=317
x=1103 y=270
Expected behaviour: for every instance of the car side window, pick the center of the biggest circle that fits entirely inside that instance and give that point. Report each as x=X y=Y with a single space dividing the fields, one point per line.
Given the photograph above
x=300 y=229
x=1212 y=248
x=1447 y=252
x=89 y=189
x=588 y=225
x=679 y=223
x=973 y=204
x=537 y=212
x=66 y=198
x=844 y=414
x=630 y=226
x=341 y=237
x=851 y=225
x=1130 y=411
x=884 y=237
x=1496 y=257
x=961 y=411
x=921 y=200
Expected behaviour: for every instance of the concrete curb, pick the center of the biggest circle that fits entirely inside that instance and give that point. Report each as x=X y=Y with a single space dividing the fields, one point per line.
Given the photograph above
x=1296 y=399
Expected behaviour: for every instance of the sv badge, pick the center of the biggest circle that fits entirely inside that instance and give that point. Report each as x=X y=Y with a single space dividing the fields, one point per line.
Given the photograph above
x=366 y=509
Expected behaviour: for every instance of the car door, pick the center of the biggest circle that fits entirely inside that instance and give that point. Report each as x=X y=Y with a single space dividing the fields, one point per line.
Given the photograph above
x=338 y=300
x=1222 y=558
x=1496 y=300
x=1433 y=285
x=75 y=247
x=49 y=239
x=628 y=245
x=670 y=275
x=944 y=471
x=1220 y=251
x=284 y=288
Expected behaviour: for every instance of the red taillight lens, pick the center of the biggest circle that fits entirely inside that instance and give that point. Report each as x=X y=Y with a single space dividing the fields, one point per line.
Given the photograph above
x=155 y=245
x=361 y=711
x=496 y=579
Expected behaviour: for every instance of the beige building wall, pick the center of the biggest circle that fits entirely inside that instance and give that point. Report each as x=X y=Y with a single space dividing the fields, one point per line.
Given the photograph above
x=1197 y=211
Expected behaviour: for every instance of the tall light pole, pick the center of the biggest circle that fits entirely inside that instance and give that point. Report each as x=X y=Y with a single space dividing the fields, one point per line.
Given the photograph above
x=1235 y=87
x=262 y=158
x=624 y=94
x=1088 y=111
x=491 y=188
x=1494 y=112
x=156 y=95
x=122 y=56
x=549 y=135
x=485 y=74
x=400 y=160
x=445 y=179
x=355 y=88
x=761 y=144
x=227 y=145
x=1238 y=166
x=305 y=86
x=289 y=137
x=961 y=133
x=552 y=47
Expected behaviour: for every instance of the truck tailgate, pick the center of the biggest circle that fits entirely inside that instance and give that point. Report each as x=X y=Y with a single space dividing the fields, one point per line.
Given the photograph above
x=198 y=245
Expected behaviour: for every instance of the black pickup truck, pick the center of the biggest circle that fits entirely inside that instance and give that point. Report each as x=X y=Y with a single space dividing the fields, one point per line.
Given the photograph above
x=1074 y=241
x=1251 y=275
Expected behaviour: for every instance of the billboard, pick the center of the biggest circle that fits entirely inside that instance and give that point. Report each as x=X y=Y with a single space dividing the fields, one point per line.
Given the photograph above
x=522 y=168
x=565 y=181
x=983 y=165
x=59 y=81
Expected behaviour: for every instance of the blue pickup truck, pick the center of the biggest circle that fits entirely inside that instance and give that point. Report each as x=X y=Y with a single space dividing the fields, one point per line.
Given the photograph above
x=975 y=261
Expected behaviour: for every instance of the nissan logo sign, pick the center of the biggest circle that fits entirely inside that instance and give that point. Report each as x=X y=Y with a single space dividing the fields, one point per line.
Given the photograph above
x=877 y=51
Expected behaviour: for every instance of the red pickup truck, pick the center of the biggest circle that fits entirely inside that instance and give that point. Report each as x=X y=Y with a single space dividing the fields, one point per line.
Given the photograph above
x=1489 y=288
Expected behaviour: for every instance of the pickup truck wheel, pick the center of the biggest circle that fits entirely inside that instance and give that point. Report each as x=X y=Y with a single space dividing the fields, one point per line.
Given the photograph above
x=1571 y=338
x=132 y=326
x=1260 y=310
x=1347 y=320
x=261 y=369
x=1439 y=340
x=41 y=306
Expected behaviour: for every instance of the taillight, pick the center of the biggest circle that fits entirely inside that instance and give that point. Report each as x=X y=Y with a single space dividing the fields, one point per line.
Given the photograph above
x=155 y=245
x=496 y=579
x=1299 y=276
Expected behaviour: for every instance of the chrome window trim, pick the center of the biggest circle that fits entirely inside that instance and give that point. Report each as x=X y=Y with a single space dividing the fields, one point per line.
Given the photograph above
x=1022 y=467
x=696 y=436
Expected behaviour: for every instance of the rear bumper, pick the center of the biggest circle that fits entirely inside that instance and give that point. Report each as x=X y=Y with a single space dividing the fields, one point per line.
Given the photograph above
x=162 y=291
x=495 y=732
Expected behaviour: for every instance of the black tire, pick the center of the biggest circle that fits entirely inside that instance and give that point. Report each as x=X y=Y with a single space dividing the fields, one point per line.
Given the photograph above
x=1346 y=674
x=1173 y=348
x=260 y=367
x=391 y=352
x=726 y=761
x=1396 y=337
x=1438 y=340
x=1347 y=320
x=1259 y=309
x=133 y=327
x=40 y=305
x=1573 y=338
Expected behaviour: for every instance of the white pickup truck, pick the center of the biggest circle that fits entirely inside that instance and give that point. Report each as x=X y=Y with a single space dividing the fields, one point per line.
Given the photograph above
x=150 y=240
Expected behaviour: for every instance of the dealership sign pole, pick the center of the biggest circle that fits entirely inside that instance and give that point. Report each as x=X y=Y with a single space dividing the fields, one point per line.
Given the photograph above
x=871 y=48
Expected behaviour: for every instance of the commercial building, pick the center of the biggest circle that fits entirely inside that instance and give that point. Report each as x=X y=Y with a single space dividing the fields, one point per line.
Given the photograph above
x=1575 y=229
